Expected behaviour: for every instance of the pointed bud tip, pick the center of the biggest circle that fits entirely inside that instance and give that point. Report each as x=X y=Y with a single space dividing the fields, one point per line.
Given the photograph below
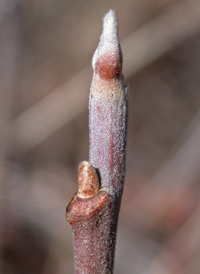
x=88 y=182
x=107 y=59
x=110 y=26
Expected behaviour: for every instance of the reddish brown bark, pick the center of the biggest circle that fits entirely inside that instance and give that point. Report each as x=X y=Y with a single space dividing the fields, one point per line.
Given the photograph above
x=93 y=211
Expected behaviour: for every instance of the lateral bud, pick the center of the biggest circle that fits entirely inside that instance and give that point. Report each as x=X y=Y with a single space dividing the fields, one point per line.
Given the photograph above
x=88 y=182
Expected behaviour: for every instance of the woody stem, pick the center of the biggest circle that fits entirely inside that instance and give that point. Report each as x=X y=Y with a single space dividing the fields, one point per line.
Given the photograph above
x=93 y=211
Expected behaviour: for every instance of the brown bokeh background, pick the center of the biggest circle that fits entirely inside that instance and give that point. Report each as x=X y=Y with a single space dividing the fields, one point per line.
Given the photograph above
x=46 y=47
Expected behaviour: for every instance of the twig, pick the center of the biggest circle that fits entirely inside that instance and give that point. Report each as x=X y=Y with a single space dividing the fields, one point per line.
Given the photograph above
x=93 y=211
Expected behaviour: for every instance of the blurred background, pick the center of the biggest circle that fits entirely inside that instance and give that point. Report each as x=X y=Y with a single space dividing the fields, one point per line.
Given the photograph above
x=46 y=47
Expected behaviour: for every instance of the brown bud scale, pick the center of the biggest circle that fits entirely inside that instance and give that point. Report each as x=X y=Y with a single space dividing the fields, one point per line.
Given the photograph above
x=88 y=182
x=109 y=66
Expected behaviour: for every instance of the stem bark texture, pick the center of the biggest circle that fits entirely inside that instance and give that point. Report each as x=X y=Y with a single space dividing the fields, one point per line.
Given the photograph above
x=93 y=211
